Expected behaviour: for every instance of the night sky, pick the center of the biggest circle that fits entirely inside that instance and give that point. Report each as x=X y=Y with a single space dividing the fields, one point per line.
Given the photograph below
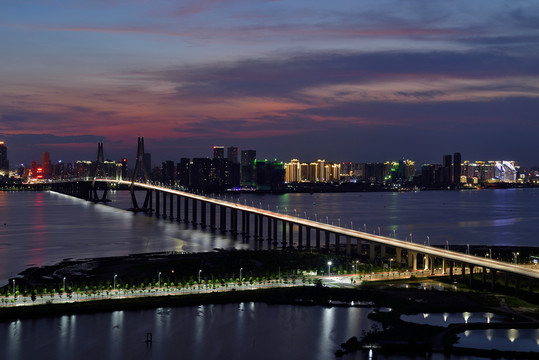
x=358 y=80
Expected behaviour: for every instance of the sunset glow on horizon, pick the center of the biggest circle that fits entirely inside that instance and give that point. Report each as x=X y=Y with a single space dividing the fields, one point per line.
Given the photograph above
x=345 y=81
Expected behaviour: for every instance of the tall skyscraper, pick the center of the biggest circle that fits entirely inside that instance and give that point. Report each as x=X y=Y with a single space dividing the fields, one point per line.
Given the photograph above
x=248 y=158
x=446 y=170
x=457 y=162
x=46 y=165
x=218 y=152
x=232 y=154
x=4 y=162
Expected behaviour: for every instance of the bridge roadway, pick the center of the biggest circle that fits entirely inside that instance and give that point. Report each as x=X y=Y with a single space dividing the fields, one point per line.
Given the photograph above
x=399 y=245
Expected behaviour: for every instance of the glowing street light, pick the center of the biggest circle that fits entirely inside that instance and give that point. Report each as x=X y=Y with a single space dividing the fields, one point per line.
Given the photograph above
x=159 y=279
x=329 y=268
x=13 y=288
x=64 y=287
x=114 y=282
x=240 y=273
x=199 y=271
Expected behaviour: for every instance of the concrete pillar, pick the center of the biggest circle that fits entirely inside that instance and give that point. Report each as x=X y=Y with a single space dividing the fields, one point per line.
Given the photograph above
x=157 y=204
x=269 y=228
x=222 y=218
x=414 y=259
x=471 y=274
x=164 y=204
x=383 y=251
x=291 y=234
x=178 y=208
x=327 y=240
x=308 y=233
x=358 y=249
x=243 y=223
x=443 y=266
x=300 y=237
x=283 y=236
x=171 y=209
x=203 y=214
x=371 y=251
x=195 y=211
x=186 y=209
x=348 y=246
x=410 y=258
x=256 y=225
x=463 y=272
x=398 y=256
x=431 y=261
x=317 y=236
x=261 y=227
x=450 y=263
x=337 y=243
x=275 y=235
x=234 y=221
x=213 y=210
x=247 y=225
x=492 y=279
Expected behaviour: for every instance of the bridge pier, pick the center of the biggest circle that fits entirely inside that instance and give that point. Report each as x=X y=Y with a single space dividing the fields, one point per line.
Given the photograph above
x=157 y=204
x=383 y=251
x=234 y=221
x=317 y=237
x=178 y=208
x=164 y=204
x=195 y=211
x=283 y=223
x=275 y=234
x=492 y=279
x=186 y=210
x=327 y=240
x=213 y=210
x=171 y=209
x=270 y=228
x=337 y=243
x=222 y=218
x=261 y=227
x=371 y=251
x=203 y=223
x=348 y=246
x=398 y=256
x=308 y=230
x=300 y=237
x=291 y=234
x=247 y=225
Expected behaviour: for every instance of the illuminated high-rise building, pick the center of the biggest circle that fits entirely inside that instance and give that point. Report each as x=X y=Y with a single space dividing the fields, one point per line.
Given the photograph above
x=321 y=170
x=232 y=154
x=292 y=174
x=247 y=169
x=46 y=165
x=457 y=162
x=218 y=152
x=4 y=162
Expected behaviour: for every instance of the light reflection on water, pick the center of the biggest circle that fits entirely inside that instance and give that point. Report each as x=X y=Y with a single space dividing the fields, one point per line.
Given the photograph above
x=526 y=340
x=444 y=319
x=44 y=228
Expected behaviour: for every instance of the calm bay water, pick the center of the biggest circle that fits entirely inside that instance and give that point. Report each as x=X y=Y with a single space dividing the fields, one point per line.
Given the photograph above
x=43 y=228
x=39 y=228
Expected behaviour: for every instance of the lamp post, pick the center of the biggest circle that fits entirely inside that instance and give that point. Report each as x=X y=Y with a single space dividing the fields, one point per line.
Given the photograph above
x=515 y=254
x=329 y=268
x=64 y=287
x=390 y=261
x=199 y=271
x=428 y=240
x=339 y=222
x=411 y=238
x=114 y=282
x=315 y=217
x=394 y=234
x=13 y=288
x=240 y=273
x=327 y=219
x=159 y=280
x=364 y=227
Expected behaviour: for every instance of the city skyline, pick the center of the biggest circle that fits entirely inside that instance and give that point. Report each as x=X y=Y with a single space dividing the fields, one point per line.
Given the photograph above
x=347 y=81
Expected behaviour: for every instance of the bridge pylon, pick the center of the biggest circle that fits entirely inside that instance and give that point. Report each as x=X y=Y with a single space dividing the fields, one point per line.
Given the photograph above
x=140 y=165
x=99 y=171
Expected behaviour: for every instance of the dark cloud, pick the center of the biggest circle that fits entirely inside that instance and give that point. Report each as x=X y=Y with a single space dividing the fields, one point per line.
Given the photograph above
x=280 y=78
